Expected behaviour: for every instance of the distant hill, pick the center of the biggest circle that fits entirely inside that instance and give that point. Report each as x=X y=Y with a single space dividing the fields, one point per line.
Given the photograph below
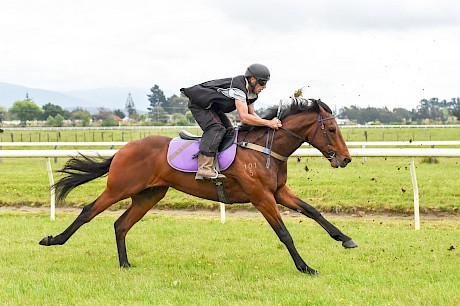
x=91 y=99
x=9 y=93
x=113 y=97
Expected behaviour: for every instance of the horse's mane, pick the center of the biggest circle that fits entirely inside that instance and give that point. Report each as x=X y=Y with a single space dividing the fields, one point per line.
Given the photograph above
x=297 y=106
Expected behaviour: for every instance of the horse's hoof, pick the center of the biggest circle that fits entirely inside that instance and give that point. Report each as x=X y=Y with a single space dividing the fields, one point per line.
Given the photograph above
x=125 y=265
x=308 y=270
x=350 y=244
x=312 y=272
x=46 y=241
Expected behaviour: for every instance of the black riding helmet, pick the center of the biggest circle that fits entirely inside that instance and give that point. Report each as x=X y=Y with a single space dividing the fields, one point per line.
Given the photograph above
x=260 y=72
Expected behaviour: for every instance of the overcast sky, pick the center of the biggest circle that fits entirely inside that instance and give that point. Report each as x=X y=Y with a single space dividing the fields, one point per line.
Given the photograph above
x=364 y=53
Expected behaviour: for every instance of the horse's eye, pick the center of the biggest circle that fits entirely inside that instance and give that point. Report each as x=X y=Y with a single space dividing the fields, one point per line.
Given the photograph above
x=331 y=130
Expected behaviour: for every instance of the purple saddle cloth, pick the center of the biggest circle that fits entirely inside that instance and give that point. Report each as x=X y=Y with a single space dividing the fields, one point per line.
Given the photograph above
x=181 y=155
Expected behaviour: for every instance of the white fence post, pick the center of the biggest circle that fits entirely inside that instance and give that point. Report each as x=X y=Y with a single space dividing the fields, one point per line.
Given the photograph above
x=53 y=196
x=222 y=212
x=364 y=157
x=416 y=199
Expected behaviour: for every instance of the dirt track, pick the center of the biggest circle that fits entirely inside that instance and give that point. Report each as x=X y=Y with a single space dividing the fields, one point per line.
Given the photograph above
x=243 y=213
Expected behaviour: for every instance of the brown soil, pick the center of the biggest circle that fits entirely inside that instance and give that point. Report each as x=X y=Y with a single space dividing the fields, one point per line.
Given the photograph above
x=355 y=213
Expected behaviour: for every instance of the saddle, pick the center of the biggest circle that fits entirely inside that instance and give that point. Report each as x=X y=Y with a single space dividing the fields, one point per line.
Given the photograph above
x=183 y=151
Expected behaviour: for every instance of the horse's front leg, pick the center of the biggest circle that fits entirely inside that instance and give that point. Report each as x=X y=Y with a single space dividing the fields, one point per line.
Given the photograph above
x=269 y=209
x=286 y=197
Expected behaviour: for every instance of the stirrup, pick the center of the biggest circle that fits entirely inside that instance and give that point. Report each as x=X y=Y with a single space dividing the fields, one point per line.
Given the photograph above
x=218 y=176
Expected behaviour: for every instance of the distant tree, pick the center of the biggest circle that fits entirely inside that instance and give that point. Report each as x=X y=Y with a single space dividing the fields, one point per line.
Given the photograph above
x=435 y=109
x=190 y=117
x=109 y=122
x=143 y=118
x=80 y=114
x=25 y=110
x=176 y=104
x=50 y=121
x=383 y=115
x=158 y=114
x=103 y=114
x=85 y=120
x=3 y=113
x=53 y=110
x=179 y=119
x=119 y=113
x=454 y=107
x=352 y=113
x=373 y=114
x=58 y=120
x=401 y=115
x=456 y=112
x=156 y=98
x=130 y=107
x=455 y=103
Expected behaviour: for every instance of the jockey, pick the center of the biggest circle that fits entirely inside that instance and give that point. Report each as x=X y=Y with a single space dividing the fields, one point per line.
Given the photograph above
x=209 y=103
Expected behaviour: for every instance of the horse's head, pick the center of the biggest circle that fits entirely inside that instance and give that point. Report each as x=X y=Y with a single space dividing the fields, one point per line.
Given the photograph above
x=308 y=121
x=314 y=123
x=328 y=138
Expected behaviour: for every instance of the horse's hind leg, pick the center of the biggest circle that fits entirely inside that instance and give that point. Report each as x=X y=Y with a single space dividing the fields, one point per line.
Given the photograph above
x=286 y=197
x=141 y=204
x=87 y=214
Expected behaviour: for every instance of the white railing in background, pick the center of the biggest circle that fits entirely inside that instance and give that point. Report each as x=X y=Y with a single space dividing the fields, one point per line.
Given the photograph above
x=383 y=152
x=122 y=143
x=355 y=152
x=63 y=144
x=195 y=127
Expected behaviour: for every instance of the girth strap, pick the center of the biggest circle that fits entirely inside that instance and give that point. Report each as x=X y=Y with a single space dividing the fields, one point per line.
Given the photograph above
x=221 y=193
x=264 y=150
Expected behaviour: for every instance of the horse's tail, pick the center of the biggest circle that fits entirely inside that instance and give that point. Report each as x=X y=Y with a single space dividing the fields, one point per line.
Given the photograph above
x=80 y=170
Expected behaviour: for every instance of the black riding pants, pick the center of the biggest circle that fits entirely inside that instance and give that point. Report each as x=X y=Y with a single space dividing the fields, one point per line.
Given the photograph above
x=214 y=124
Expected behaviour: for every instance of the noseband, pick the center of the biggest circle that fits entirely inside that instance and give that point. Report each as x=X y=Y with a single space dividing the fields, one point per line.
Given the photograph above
x=321 y=120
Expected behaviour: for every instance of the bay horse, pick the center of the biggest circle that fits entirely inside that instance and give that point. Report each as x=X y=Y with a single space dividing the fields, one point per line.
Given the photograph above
x=140 y=171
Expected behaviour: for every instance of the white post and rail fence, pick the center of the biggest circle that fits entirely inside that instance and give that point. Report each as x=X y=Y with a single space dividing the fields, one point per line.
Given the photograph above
x=401 y=150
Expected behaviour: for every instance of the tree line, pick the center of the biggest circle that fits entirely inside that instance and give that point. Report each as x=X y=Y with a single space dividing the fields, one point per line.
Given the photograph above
x=432 y=110
x=54 y=115
x=174 y=110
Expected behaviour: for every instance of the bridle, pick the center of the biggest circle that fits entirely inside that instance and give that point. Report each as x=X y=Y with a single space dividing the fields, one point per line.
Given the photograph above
x=331 y=153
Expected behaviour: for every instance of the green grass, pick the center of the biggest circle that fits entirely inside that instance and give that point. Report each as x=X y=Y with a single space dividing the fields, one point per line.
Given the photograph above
x=379 y=184
x=349 y=134
x=88 y=135
x=195 y=260
x=400 y=134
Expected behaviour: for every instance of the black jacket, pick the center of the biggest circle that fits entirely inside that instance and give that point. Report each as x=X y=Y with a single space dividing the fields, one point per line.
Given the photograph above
x=207 y=94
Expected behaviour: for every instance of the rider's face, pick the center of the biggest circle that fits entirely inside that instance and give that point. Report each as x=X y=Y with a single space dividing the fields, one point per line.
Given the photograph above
x=258 y=87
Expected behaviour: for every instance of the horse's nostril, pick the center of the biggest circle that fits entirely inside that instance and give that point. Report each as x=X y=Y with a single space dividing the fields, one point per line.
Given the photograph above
x=347 y=160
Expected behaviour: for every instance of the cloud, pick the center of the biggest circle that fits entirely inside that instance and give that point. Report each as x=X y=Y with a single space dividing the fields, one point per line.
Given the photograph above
x=345 y=52
x=353 y=15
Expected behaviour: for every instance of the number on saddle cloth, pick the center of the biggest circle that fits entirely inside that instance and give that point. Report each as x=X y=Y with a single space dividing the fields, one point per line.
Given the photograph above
x=182 y=151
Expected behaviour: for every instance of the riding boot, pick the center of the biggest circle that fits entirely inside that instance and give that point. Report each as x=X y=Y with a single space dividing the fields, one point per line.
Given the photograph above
x=206 y=169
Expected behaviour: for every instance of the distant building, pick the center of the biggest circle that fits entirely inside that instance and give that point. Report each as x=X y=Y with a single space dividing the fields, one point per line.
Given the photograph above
x=343 y=121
